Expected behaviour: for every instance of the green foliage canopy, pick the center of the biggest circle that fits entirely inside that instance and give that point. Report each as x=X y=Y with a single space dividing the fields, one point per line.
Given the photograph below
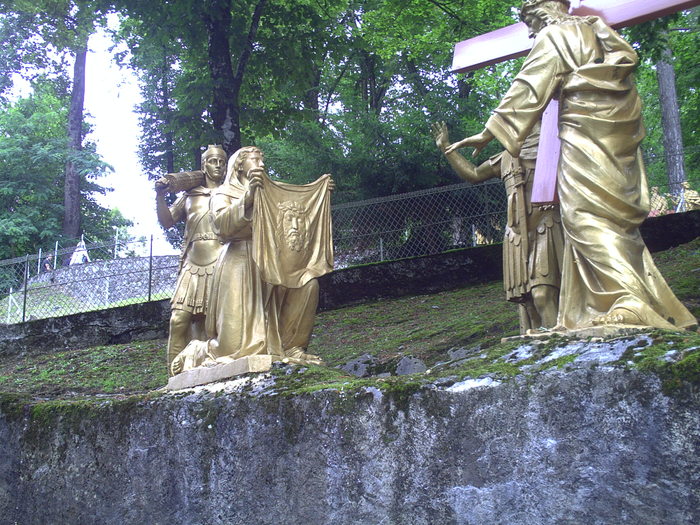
x=33 y=154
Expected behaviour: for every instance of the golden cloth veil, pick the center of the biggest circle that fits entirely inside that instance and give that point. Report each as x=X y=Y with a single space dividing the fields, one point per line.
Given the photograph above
x=288 y=255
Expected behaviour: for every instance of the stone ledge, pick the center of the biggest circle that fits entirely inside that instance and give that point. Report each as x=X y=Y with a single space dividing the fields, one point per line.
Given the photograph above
x=597 y=444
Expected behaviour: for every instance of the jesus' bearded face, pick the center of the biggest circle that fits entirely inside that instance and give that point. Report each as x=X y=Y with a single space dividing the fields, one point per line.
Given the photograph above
x=292 y=221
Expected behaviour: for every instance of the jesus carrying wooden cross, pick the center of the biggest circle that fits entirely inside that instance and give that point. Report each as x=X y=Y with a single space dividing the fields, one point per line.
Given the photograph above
x=608 y=276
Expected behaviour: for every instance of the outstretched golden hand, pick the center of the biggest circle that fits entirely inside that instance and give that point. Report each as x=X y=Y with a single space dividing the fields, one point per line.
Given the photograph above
x=478 y=141
x=441 y=135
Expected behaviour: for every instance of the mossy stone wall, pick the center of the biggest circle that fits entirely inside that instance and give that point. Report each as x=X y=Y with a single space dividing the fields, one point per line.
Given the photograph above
x=592 y=445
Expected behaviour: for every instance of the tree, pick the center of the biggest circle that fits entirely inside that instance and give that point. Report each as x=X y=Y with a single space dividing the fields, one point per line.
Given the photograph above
x=64 y=27
x=384 y=78
x=658 y=42
x=33 y=154
x=232 y=70
x=81 y=25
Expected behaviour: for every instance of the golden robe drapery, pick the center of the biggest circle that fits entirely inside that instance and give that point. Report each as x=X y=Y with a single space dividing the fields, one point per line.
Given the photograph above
x=247 y=315
x=601 y=179
x=292 y=232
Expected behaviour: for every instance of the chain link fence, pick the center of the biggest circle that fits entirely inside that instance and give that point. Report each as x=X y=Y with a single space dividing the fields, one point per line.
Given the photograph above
x=82 y=278
x=418 y=223
x=674 y=198
x=73 y=279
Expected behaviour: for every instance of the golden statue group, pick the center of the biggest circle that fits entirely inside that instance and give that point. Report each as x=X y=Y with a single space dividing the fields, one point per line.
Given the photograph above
x=607 y=273
x=253 y=247
x=252 y=252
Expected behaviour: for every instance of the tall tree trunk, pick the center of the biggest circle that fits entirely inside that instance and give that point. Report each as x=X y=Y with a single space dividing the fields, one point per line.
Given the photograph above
x=71 y=192
x=671 y=121
x=373 y=82
x=169 y=139
x=414 y=77
x=225 y=111
x=311 y=95
x=225 y=107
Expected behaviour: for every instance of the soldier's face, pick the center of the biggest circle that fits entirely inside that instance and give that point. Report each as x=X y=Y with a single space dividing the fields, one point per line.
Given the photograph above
x=214 y=168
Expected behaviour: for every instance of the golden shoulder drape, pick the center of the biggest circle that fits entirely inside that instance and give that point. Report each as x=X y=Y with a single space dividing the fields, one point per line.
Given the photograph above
x=602 y=183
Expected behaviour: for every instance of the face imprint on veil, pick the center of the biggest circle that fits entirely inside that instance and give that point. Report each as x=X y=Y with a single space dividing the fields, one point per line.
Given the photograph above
x=291 y=225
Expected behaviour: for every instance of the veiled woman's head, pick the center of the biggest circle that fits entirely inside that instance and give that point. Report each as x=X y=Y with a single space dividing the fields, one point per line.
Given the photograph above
x=241 y=161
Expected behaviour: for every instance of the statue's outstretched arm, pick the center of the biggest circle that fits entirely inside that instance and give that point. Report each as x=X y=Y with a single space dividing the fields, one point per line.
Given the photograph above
x=479 y=142
x=465 y=169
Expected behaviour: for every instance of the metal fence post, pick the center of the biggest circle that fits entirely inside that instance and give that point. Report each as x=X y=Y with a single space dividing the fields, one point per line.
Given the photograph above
x=38 y=263
x=26 y=286
x=55 y=255
x=9 y=305
x=150 y=270
x=106 y=291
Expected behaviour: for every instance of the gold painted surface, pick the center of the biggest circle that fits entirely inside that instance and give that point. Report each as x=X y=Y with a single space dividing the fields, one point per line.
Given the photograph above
x=658 y=203
x=200 y=248
x=246 y=314
x=292 y=222
x=184 y=180
x=608 y=276
x=533 y=242
x=691 y=197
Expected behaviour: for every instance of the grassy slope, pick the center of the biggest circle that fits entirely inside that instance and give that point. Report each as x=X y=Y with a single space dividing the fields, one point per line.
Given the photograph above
x=423 y=326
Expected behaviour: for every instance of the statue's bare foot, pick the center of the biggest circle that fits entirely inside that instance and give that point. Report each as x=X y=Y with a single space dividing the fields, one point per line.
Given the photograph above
x=297 y=355
x=177 y=365
x=192 y=356
x=617 y=316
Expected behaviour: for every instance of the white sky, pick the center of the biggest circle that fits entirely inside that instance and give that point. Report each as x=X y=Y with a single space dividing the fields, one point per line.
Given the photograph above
x=111 y=94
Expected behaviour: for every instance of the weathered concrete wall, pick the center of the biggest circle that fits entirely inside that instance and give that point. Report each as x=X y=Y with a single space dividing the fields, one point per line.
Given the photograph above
x=419 y=275
x=596 y=445
x=137 y=322
x=666 y=231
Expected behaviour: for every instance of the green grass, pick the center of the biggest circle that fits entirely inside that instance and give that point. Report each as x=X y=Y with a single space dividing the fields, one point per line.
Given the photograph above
x=681 y=268
x=116 y=369
x=424 y=326
x=673 y=356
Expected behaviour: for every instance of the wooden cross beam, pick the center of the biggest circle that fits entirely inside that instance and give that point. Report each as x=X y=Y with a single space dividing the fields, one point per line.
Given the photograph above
x=513 y=41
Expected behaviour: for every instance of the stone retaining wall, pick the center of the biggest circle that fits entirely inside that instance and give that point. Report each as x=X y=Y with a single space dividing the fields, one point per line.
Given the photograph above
x=595 y=445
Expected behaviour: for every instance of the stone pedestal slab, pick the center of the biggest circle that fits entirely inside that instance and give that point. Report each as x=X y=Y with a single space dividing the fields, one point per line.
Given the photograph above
x=209 y=374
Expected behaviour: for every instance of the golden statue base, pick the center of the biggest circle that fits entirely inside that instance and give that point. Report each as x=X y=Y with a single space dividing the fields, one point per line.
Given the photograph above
x=208 y=374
